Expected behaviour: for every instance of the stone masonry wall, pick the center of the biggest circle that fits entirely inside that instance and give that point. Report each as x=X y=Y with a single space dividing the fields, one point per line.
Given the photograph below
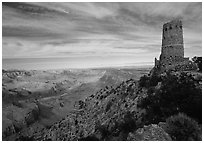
x=172 y=33
x=172 y=51
x=172 y=43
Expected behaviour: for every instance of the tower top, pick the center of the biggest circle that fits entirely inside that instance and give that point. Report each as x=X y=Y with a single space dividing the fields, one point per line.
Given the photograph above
x=174 y=21
x=172 y=24
x=172 y=33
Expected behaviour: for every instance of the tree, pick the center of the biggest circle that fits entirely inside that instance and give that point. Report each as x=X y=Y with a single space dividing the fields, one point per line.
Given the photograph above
x=198 y=61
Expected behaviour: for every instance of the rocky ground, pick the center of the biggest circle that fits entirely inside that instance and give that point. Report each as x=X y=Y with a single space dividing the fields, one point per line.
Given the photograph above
x=110 y=112
x=34 y=100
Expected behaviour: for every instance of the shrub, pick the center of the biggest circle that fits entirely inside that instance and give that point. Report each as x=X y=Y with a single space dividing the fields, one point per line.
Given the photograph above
x=148 y=81
x=198 y=61
x=82 y=104
x=176 y=94
x=108 y=106
x=182 y=128
x=89 y=138
x=144 y=81
x=128 y=122
x=104 y=131
x=154 y=79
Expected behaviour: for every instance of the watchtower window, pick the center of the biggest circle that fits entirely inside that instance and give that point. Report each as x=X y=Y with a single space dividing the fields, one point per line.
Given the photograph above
x=170 y=27
x=181 y=26
x=165 y=29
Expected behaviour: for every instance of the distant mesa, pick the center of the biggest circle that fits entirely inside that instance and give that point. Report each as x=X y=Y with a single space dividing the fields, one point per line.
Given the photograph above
x=172 y=51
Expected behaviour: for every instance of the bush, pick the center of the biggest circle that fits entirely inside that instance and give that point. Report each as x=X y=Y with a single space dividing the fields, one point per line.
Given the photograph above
x=198 y=61
x=182 y=128
x=149 y=81
x=105 y=133
x=118 y=128
x=108 y=106
x=89 y=138
x=176 y=94
x=128 y=123
x=144 y=80
x=154 y=79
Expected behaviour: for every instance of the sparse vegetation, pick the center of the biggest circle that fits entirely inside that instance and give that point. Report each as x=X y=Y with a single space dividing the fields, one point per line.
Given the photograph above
x=128 y=123
x=108 y=106
x=176 y=94
x=144 y=81
x=121 y=128
x=118 y=113
x=183 y=128
x=105 y=133
x=148 y=81
x=198 y=61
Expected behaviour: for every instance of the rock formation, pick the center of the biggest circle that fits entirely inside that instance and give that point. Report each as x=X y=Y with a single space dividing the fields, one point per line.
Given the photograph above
x=107 y=115
x=149 y=133
x=17 y=119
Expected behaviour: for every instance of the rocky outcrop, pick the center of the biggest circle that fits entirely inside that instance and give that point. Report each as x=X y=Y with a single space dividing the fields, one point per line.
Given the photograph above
x=149 y=133
x=16 y=119
x=110 y=114
x=14 y=73
x=7 y=128
x=32 y=115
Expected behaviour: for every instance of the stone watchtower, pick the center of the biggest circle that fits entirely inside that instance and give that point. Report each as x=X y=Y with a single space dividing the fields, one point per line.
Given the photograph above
x=172 y=51
x=172 y=44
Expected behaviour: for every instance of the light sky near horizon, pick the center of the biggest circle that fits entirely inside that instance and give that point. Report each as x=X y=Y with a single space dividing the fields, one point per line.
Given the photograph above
x=116 y=32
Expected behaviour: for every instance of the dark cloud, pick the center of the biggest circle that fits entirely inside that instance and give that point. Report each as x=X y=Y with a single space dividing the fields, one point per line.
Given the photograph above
x=28 y=32
x=24 y=7
x=30 y=8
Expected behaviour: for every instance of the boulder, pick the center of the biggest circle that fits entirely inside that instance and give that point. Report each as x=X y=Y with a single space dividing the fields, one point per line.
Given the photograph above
x=163 y=125
x=149 y=133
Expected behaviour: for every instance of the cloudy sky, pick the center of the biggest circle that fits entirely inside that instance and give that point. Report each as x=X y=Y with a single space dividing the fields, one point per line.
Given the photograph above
x=109 y=33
